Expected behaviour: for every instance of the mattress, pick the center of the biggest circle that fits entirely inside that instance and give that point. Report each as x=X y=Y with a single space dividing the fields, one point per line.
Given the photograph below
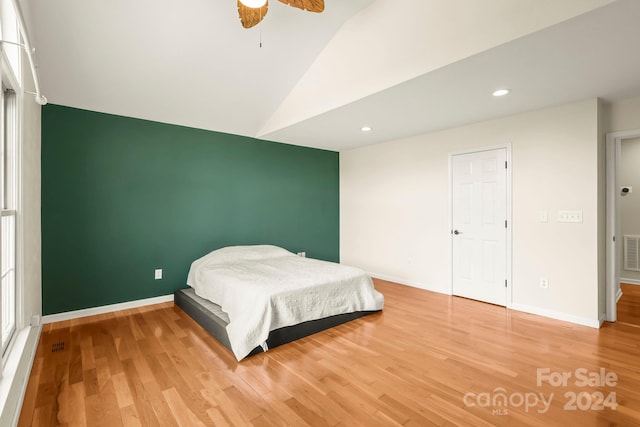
x=264 y=288
x=214 y=320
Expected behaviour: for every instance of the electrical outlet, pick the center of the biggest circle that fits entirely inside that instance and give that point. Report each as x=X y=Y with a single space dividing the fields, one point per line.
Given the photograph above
x=158 y=274
x=544 y=283
x=302 y=254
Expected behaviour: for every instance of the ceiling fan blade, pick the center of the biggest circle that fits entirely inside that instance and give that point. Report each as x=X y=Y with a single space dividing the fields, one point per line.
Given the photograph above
x=250 y=17
x=309 y=5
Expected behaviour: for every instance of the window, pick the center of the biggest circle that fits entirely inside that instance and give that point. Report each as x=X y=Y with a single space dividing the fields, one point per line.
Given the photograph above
x=10 y=56
x=8 y=179
x=10 y=34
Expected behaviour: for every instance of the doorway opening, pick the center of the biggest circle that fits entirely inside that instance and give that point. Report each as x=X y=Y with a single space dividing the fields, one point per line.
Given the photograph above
x=623 y=243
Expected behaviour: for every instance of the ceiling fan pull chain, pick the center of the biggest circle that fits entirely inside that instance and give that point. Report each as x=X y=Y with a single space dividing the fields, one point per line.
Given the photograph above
x=261 y=30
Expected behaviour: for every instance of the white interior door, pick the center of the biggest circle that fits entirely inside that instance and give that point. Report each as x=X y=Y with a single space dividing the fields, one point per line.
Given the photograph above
x=479 y=225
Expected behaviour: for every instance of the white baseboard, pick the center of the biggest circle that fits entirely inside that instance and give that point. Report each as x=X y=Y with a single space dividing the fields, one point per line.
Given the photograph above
x=593 y=323
x=58 y=317
x=618 y=295
x=15 y=374
x=433 y=288
x=630 y=281
x=602 y=319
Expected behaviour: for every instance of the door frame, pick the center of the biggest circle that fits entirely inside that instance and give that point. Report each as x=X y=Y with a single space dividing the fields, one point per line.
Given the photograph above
x=507 y=147
x=613 y=146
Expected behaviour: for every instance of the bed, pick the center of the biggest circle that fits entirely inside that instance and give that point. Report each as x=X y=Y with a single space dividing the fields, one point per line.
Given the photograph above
x=252 y=298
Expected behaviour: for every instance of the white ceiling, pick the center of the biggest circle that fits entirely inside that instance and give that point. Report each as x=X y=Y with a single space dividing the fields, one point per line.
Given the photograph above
x=403 y=67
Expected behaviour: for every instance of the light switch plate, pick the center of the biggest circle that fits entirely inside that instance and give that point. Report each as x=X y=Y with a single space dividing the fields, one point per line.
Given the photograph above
x=158 y=274
x=569 y=216
x=543 y=216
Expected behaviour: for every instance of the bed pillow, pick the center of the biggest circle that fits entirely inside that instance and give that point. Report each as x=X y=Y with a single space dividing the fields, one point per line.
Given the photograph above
x=234 y=254
x=244 y=253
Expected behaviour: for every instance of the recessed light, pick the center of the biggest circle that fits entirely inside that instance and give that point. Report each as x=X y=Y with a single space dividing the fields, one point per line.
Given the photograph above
x=501 y=92
x=365 y=128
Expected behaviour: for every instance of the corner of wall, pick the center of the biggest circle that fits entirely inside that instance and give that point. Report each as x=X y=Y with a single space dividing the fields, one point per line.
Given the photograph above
x=602 y=117
x=30 y=208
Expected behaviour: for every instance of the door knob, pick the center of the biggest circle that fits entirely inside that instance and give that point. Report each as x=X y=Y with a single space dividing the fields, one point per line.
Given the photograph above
x=456 y=232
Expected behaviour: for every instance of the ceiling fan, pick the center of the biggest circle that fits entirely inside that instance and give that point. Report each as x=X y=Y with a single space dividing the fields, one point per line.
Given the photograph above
x=253 y=11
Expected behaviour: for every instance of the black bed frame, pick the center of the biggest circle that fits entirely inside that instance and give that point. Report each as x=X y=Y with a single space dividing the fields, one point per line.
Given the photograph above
x=211 y=320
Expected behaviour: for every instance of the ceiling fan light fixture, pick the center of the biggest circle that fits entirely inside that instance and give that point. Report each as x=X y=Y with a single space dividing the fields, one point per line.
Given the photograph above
x=253 y=11
x=254 y=4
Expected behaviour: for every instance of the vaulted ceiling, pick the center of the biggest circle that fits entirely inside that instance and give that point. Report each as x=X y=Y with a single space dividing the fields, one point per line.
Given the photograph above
x=403 y=67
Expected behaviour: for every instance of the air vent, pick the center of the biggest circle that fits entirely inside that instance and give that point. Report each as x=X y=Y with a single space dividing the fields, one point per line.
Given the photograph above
x=57 y=347
x=632 y=253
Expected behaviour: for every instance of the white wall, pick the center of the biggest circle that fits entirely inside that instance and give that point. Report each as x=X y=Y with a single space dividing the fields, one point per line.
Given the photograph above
x=623 y=115
x=30 y=204
x=394 y=200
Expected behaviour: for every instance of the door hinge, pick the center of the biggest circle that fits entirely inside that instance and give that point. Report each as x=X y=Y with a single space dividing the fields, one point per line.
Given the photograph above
x=614 y=238
x=505 y=223
x=505 y=164
x=505 y=283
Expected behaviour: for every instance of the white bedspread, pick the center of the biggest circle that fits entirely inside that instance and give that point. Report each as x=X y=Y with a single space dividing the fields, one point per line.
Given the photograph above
x=263 y=288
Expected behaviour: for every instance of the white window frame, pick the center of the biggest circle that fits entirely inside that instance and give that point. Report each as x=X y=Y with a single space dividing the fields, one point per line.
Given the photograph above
x=9 y=80
x=8 y=210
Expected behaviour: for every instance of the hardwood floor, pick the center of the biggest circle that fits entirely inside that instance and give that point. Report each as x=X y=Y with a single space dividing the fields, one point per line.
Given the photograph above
x=427 y=359
x=629 y=304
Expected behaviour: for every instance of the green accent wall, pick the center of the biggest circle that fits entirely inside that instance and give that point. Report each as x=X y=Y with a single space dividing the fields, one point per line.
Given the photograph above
x=122 y=197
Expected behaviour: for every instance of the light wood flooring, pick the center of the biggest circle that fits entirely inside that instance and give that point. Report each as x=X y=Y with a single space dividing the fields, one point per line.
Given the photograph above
x=427 y=359
x=629 y=304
